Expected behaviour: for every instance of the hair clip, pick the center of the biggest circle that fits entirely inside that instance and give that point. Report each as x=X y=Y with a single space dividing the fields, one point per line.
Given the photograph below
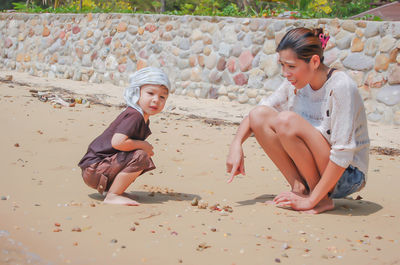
x=324 y=39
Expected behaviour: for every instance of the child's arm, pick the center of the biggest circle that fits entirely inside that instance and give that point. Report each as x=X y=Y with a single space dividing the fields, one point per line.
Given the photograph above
x=299 y=202
x=235 y=160
x=122 y=142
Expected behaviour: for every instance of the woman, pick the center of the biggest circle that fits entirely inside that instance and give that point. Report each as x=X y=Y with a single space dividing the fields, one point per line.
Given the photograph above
x=313 y=127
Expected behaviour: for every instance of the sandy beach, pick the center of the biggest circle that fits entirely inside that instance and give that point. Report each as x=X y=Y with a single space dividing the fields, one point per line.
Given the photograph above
x=49 y=216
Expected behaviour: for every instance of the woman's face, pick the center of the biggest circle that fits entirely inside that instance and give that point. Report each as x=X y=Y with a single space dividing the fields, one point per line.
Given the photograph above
x=295 y=70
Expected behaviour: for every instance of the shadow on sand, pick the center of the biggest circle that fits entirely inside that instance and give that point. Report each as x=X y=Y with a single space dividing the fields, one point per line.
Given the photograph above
x=145 y=197
x=342 y=206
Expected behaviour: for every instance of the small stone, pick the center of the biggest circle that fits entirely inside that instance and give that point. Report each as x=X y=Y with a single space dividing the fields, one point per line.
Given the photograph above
x=113 y=241
x=150 y=28
x=358 y=61
x=133 y=228
x=46 y=32
x=202 y=204
x=245 y=61
x=122 y=27
x=57 y=224
x=389 y=95
x=202 y=246
x=107 y=40
x=386 y=43
x=285 y=246
x=3 y=198
x=56 y=230
x=76 y=229
x=277 y=260
x=240 y=79
x=381 y=63
x=213 y=229
x=357 y=45
x=372 y=29
x=394 y=74
x=195 y=201
x=76 y=30
x=344 y=43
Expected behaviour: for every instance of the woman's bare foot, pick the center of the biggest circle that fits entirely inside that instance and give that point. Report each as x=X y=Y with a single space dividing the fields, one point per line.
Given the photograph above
x=324 y=205
x=112 y=198
x=299 y=188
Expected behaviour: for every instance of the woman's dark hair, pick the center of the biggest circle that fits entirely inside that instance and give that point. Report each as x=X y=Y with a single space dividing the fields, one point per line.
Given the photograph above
x=304 y=42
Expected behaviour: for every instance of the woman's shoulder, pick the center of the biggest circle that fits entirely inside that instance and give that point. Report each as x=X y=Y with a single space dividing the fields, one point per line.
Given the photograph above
x=340 y=79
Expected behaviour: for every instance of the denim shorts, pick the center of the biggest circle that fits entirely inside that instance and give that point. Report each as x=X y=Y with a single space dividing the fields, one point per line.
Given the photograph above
x=351 y=181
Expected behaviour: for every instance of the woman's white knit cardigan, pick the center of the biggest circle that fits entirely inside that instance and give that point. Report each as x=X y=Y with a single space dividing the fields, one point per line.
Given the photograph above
x=336 y=110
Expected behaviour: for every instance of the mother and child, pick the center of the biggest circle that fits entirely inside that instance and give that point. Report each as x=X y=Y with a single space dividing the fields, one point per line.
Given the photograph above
x=313 y=128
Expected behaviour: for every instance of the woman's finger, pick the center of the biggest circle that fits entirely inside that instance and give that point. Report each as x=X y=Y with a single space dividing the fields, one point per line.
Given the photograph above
x=233 y=173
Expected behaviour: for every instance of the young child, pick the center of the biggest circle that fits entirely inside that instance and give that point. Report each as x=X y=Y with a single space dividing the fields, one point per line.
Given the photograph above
x=120 y=154
x=313 y=127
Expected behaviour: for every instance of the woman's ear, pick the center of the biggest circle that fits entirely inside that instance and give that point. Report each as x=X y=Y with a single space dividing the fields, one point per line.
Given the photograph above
x=315 y=62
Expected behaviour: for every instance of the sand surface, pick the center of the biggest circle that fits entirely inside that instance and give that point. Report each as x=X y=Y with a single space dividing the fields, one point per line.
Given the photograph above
x=49 y=216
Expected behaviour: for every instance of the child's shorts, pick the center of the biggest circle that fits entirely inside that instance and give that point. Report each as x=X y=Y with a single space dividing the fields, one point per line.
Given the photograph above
x=101 y=175
x=351 y=181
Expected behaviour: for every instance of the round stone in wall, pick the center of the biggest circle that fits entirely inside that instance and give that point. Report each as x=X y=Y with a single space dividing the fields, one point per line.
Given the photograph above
x=389 y=95
x=358 y=61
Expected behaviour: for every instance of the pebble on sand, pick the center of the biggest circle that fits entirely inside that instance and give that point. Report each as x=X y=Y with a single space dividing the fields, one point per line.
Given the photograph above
x=202 y=246
x=76 y=229
x=202 y=204
x=195 y=201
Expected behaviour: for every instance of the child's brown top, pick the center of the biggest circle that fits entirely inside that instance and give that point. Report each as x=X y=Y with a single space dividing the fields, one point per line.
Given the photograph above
x=130 y=123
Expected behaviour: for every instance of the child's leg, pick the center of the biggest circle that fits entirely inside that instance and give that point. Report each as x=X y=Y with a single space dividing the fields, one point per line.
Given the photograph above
x=134 y=164
x=120 y=184
x=261 y=120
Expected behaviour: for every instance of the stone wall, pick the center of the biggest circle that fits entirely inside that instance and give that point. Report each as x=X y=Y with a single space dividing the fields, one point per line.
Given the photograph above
x=208 y=57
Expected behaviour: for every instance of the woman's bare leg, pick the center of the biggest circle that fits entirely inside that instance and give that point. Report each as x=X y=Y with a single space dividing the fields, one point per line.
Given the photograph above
x=261 y=119
x=120 y=184
x=304 y=144
x=308 y=149
x=295 y=146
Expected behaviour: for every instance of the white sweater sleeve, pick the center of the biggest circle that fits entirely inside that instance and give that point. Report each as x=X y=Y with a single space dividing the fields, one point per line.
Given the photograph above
x=279 y=99
x=343 y=118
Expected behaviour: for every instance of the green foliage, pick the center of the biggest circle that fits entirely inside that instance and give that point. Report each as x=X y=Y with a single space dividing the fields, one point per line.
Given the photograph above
x=232 y=8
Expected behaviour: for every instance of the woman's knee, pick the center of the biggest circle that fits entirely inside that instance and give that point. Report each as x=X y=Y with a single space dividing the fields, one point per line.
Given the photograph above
x=260 y=116
x=286 y=123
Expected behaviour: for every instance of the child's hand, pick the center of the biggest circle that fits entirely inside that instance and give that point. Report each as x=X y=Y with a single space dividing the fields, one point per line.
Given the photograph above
x=235 y=161
x=148 y=148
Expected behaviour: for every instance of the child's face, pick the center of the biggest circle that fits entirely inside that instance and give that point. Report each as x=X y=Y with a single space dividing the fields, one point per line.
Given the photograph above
x=152 y=99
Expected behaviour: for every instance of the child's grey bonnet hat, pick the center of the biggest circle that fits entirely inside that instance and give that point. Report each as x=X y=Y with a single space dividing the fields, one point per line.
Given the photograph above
x=147 y=75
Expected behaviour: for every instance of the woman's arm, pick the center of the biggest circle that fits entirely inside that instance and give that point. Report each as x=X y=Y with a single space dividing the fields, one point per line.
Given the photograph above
x=328 y=180
x=122 y=142
x=235 y=160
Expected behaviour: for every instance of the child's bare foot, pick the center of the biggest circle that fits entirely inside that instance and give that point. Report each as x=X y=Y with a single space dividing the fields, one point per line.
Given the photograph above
x=112 y=198
x=324 y=205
